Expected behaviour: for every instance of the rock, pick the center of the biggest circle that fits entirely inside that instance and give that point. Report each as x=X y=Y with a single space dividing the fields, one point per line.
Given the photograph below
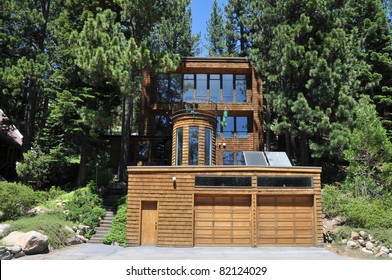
x=376 y=250
x=19 y=255
x=74 y=241
x=344 y=241
x=381 y=255
x=82 y=229
x=366 y=251
x=68 y=229
x=352 y=244
x=363 y=234
x=2 y=249
x=32 y=242
x=362 y=242
x=3 y=227
x=81 y=237
x=369 y=246
x=36 y=210
x=6 y=256
x=14 y=249
x=354 y=235
x=371 y=238
x=384 y=249
x=390 y=255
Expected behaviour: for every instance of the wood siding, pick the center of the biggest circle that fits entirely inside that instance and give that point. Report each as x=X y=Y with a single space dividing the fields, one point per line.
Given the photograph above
x=176 y=201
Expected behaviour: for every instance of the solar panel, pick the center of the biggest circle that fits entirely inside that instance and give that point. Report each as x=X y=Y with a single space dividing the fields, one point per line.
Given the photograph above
x=278 y=159
x=255 y=158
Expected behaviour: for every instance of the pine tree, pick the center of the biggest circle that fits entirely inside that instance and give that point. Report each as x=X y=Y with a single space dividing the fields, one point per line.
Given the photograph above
x=238 y=27
x=216 y=35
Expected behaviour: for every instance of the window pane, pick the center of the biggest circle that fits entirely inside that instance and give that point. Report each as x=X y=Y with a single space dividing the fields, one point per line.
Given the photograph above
x=285 y=182
x=223 y=181
x=175 y=88
x=162 y=88
x=240 y=158
x=201 y=87
x=228 y=130
x=193 y=152
x=179 y=145
x=242 y=127
x=240 y=86
x=227 y=87
x=162 y=125
x=215 y=88
x=208 y=146
x=218 y=127
x=189 y=85
x=228 y=158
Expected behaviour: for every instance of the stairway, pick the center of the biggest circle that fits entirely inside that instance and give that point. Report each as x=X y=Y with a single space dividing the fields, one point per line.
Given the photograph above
x=106 y=222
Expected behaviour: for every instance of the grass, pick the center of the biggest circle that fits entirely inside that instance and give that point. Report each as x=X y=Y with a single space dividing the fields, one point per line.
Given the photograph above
x=51 y=224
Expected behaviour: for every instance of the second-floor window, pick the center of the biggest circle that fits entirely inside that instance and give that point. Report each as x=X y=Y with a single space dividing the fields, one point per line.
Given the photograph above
x=226 y=88
x=235 y=127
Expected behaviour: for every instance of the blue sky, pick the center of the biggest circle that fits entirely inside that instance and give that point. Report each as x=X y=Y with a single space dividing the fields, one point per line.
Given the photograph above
x=201 y=11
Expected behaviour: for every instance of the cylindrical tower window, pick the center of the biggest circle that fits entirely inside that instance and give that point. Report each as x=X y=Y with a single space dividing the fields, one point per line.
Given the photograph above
x=208 y=146
x=180 y=145
x=193 y=152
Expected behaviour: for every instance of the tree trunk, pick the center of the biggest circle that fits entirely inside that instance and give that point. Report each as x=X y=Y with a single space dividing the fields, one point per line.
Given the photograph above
x=30 y=113
x=125 y=137
x=85 y=152
x=268 y=132
x=304 y=149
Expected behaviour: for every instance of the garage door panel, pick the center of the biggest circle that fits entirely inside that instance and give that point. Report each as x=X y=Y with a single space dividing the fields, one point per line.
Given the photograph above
x=229 y=220
x=285 y=219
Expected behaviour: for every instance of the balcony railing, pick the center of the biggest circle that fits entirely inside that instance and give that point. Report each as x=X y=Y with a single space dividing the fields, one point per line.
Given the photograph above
x=196 y=106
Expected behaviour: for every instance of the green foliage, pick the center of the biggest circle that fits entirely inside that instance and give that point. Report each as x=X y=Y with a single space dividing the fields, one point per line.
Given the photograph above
x=85 y=207
x=50 y=224
x=369 y=154
x=17 y=199
x=34 y=168
x=216 y=32
x=117 y=231
x=333 y=201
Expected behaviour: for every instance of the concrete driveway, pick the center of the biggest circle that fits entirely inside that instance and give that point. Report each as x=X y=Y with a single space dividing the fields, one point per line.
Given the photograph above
x=107 y=252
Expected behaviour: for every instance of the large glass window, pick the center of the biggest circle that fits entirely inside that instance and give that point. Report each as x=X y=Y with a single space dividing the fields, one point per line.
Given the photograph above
x=201 y=87
x=241 y=127
x=179 y=145
x=223 y=181
x=208 y=147
x=215 y=87
x=228 y=130
x=239 y=156
x=162 y=125
x=189 y=85
x=240 y=88
x=227 y=88
x=193 y=146
x=228 y=158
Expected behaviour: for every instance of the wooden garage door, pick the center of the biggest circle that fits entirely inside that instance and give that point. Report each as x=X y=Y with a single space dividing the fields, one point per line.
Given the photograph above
x=285 y=220
x=222 y=220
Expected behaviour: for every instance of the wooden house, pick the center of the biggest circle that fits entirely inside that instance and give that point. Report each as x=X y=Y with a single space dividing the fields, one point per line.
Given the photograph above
x=214 y=186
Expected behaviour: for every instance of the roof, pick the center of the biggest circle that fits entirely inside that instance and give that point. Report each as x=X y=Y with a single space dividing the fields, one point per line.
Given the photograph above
x=8 y=131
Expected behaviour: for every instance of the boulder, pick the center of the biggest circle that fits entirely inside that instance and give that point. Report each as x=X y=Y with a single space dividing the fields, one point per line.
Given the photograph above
x=82 y=238
x=82 y=229
x=364 y=234
x=384 y=249
x=354 y=235
x=352 y=244
x=369 y=246
x=3 y=227
x=74 y=241
x=344 y=241
x=14 y=249
x=381 y=255
x=36 y=210
x=31 y=242
x=7 y=255
x=376 y=250
x=19 y=255
x=390 y=255
x=362 y=242
x=371 y=238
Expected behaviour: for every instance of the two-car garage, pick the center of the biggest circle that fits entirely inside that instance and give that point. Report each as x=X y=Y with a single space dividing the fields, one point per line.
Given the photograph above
x=232 y=220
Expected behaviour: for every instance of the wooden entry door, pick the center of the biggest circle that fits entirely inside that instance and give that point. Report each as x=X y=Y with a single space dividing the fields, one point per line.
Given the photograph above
x=149 y=223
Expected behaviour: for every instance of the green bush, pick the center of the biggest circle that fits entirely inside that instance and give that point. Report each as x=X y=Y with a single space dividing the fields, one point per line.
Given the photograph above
x=17 y=199
x=51 y=224
x=117 y=232
x=86 y=208
x=333 y=201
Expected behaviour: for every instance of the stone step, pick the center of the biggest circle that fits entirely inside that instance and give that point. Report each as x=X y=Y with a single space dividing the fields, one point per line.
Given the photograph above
x=104 y=227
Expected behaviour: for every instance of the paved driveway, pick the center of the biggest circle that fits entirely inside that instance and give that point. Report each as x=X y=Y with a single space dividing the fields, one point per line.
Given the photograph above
x=106 y=252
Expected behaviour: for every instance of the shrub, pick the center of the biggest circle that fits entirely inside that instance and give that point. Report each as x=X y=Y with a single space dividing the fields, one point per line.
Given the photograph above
x=86 y=208
x=51 y=224
x=117 y=231
x=333 y=201
x=17 y=199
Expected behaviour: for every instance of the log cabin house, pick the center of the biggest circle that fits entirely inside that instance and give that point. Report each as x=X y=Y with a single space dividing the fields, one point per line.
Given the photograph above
x=202 y=177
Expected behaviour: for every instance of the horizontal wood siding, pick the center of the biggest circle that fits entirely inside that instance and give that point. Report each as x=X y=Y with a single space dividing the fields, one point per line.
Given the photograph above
x=176 y=202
